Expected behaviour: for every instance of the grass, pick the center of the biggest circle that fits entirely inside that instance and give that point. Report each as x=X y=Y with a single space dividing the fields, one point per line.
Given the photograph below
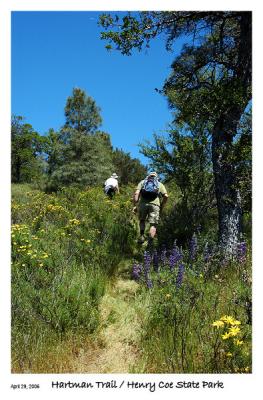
x=75 y=307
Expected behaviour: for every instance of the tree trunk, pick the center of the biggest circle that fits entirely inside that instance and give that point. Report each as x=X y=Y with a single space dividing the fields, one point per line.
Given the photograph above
x=227 y=193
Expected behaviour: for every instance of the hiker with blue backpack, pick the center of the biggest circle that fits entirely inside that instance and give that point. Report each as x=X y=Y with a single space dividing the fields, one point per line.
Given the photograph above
x=151 y=197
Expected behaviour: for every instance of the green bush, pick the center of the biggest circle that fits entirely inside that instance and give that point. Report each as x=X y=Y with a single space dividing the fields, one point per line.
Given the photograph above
x=188 y=292
x=65 y=247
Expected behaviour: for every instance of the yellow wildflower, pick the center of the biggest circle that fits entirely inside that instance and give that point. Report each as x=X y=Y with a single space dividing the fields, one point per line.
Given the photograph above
x=225 y=336
x=234 y=330
x=218 y=324
x=238 y=342
x=228 y=319
x=229 y=354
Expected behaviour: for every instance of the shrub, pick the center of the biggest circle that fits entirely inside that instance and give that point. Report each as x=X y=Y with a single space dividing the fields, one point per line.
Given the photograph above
x=64 y=248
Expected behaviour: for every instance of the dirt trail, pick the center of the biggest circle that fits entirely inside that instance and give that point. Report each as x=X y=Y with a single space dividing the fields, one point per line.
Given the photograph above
x=116 y=349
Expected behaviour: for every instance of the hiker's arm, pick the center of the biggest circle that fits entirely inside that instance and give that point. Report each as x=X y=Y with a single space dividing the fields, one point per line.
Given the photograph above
x=136 y=197
x=164 y=201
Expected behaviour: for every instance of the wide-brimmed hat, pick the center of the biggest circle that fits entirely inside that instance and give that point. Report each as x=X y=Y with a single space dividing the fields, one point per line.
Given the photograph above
x=115 y=176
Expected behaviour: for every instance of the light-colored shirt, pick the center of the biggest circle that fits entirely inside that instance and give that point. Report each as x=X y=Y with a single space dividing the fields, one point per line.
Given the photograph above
x=162 y=192
x=111 y=182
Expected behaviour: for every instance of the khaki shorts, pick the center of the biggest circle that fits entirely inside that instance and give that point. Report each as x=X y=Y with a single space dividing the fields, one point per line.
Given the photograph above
x=149 y=211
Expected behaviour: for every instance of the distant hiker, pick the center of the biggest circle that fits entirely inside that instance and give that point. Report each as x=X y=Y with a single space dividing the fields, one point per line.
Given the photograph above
x=152 y=197
x=111 y=185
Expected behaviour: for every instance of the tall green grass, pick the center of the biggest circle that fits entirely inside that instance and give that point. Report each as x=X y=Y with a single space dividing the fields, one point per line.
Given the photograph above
x=65 y=247
x=198 y=318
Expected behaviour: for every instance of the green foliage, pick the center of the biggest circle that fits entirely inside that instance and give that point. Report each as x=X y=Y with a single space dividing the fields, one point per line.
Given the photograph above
x=209 y=87
x=27 y=165
x=130 y=170
x=82 y=113
x=64 y=248
x=185 y=161
x=181 y=332
x=242 y=158
x=83 y=160
x=79 y=154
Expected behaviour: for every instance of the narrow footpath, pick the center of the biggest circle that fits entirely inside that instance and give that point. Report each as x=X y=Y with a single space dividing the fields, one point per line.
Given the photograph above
x=116 y=349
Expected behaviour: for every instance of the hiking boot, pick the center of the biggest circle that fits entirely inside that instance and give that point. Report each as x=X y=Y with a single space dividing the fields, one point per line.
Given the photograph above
x=141 y=239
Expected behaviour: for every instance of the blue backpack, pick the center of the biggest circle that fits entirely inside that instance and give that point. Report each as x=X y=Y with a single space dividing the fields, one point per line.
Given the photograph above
x=150 y=188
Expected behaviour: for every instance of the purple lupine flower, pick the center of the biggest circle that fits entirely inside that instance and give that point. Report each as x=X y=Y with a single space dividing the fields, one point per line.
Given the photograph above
x=180 y=275
x=207 y=253
x=149 y=283
x=193 y=247
x=242 y=252
x=155 y=261
x=136 y=271
x=147 y=266
x=147 y=262
x=163 y=256
x=172 y=261
x=175 y=256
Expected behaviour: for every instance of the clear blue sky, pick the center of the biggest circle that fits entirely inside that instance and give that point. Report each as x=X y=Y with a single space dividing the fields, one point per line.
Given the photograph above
x=52 y=52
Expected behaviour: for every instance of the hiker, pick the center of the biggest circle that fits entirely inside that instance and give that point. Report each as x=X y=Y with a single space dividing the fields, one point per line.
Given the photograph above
x=152 y=197
x=111 y=185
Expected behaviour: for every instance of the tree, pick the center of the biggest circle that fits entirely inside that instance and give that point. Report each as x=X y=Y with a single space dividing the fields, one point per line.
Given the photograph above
x=186 y=160
x=130 y=170
x=82 y=113
x=79 y=154
x=210 y=83
x=27 y=147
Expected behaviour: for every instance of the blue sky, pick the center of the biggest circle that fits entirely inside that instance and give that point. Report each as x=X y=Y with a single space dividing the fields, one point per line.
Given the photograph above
x=52 y=52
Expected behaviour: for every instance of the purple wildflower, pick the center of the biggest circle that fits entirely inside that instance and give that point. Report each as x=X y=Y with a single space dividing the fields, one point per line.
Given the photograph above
x=174 y=257
x=147 y=262
x=136 y=272
x=207 y=253
x=242 y=252
x=155 y=261
x=180 y=275
x=193 y=247
x=147 y=267
x=149 y=283
x=163 y=256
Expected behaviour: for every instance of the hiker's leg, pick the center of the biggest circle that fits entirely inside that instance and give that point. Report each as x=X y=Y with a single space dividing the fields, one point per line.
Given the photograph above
x=153 y=219
x=152 y=231
x=142 y=218
x=111 y=193
x=142 y=227
x=142 y=214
